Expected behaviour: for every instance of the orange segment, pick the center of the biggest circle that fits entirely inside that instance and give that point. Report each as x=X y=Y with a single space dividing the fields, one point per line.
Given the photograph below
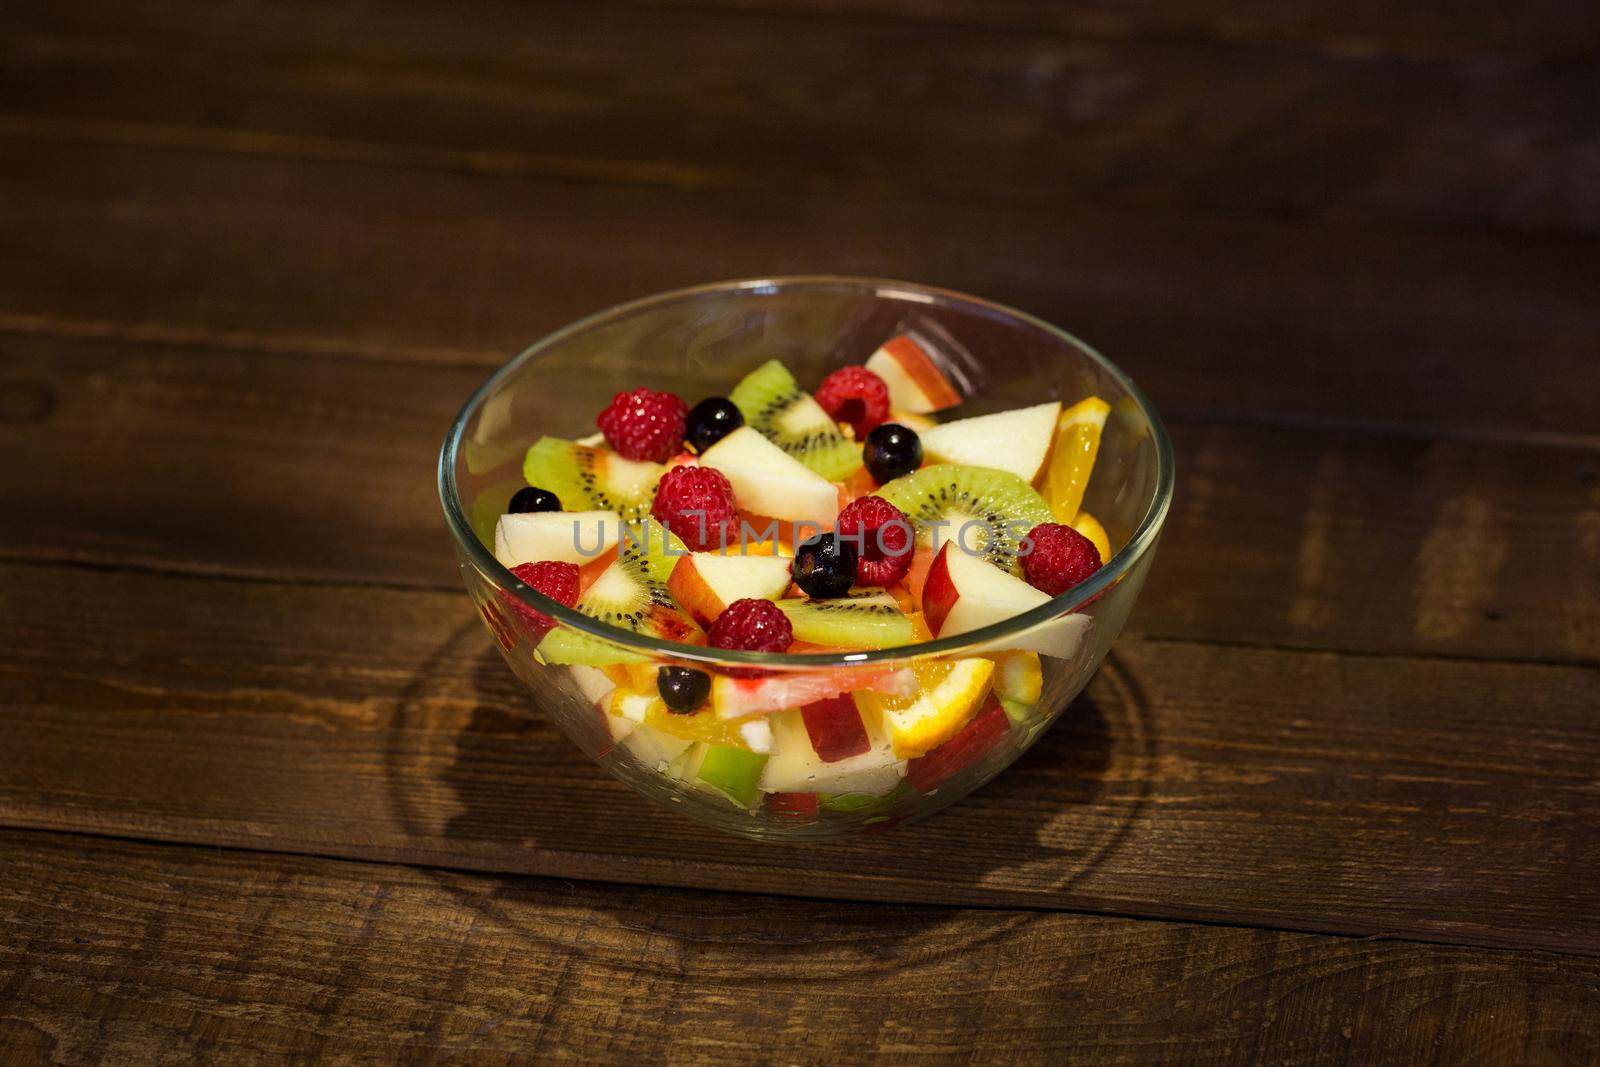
x=1072 y=456
x=1090 y=527
x=951 y=692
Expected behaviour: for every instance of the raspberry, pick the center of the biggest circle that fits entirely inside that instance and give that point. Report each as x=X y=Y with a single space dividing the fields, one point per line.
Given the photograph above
x=857 y=396
x=1060 y=558
x=558 y=581
x=752 y=625
x=882 y=536
x=644 y=424
x=696 y=503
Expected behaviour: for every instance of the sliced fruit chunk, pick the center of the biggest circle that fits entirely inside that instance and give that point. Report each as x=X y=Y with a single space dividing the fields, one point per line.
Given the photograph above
x=705 y=583
x=964 y=593
x=703 y=725
x=1072 y=455
x=769 y=481
x=563 y=536
x=733 y=772
x=835 y=728
x=1018 y=676
x=655 y=749
x=952 y=690
x=987 y=510
x=795 y=767
x=864 y=618
x=774 y=405
x=631 y=595
x=592 y=478
x=981 y=734
x=793 y=806
x=734 y=698
x=1015 y=441
x=1090 y=527
x=916 y=384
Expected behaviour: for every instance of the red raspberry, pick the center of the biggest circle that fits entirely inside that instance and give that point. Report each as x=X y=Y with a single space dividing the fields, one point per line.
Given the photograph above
x=558 y=581
x=752 y=625
x=1061 y=557
x=696 y=503
x=882 y=536
x=857 y=396
x=644 y=424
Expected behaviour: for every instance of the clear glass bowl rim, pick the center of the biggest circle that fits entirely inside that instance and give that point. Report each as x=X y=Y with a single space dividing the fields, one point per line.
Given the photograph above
x=1143 y=539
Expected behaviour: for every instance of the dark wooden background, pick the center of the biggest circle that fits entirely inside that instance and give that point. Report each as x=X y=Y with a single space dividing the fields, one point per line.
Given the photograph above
x=265 y=790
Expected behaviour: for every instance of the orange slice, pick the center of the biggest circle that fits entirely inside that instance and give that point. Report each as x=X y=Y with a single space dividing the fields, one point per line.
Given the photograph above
x=1072 y=456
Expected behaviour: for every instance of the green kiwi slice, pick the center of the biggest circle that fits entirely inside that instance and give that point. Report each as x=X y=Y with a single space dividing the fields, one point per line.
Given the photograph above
x=866 y=618
x=592 y=479
x=774 y=405
x=631 y=594
x=999 y=506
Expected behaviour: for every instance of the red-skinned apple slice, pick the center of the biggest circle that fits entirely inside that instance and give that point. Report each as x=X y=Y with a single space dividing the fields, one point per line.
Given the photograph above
x=835 y=728
x=705 y=583
x=734 y=698
x=916 y=384
x=1017 y=441
x=768 y=480
x=985 y=730
x=965 y=593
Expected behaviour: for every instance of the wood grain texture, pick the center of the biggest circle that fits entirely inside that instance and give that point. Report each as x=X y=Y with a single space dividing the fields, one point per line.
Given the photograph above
x=1357 y=794
x=294 y=466
x=800 y=104
x=1206 y=314
x=136 y=953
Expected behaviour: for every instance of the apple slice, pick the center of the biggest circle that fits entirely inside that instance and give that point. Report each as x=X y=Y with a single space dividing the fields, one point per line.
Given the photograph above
x=769 y=481
x=835 y=728
x=1017 y=441
x=795 y=767
x=562 y=536
x=965 y=593
x=982 y=733
x=705 y=583
x=916 y=384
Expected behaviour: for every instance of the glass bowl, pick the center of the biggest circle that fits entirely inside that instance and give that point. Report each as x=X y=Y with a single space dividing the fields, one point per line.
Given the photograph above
x=698 y=342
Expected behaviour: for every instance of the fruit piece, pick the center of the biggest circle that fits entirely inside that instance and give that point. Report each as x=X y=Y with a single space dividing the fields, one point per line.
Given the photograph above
x=734 y=772
x=825 y=566
x=1018 y=676
x=532 y=499
x=683 y=689
x=795 y=767
x=752 y=625
x=987 y=728
x=696 y=503
x=1072 y=455
x=951 y=690
x=768 y=481
x=912 y=421
x=705 y=583
x=686 y=767
x=1016 y=711
x=892 y=451
x=562 y=536
x=915 y=382
x=1015 y=441
x=710 y=421
x=651 y=710
x=734 y=697
x=774 y=405
x=592 y=478
x=654 y=749
x=632 y=595
x=855 y=396
x=558 y=581
x=793 y=806
x=644 y=424
x=835 y=728
x=869 y=618
x=882 y=536
x=1090 y=527
x=964 y=593
x=984 y=510
x=1059 y=558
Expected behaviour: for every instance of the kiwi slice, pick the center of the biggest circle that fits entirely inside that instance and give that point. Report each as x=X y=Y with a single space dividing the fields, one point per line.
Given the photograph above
x=866 y=618
x=592 y=479
x=995 y=508
x=631 y=594
x=774 y=405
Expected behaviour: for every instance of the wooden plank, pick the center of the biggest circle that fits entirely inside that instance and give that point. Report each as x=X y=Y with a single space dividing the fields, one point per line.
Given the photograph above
x=1359 y=794
x=1206 y=314
x=279 y=465
x=131 y=952
x=796 y=105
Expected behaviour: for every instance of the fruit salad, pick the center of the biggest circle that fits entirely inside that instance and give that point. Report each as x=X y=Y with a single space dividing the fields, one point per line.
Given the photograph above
x=864 y=514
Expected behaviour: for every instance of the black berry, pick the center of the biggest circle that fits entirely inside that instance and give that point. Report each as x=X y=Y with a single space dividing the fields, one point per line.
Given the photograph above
x=892 y=451
x=825 y=566
x=683 y=689
x=710 y=421
x=533 y=499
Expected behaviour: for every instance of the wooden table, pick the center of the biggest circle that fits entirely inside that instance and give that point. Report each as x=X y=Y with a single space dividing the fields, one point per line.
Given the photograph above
x=266 y=790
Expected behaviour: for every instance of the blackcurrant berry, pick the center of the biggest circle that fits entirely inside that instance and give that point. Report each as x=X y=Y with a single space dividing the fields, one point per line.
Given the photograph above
x=892 y=451
x=825 y=566
x=683 y=689
x=533 y=499
x=710 y=421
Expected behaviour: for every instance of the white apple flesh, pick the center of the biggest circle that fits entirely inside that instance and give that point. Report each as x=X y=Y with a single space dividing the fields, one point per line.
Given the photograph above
x=561 y=536
x=1017 y=441
x=916 y=384
x=965 y=593
x=768 y=481
x=705 y=583
x=795 y=767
